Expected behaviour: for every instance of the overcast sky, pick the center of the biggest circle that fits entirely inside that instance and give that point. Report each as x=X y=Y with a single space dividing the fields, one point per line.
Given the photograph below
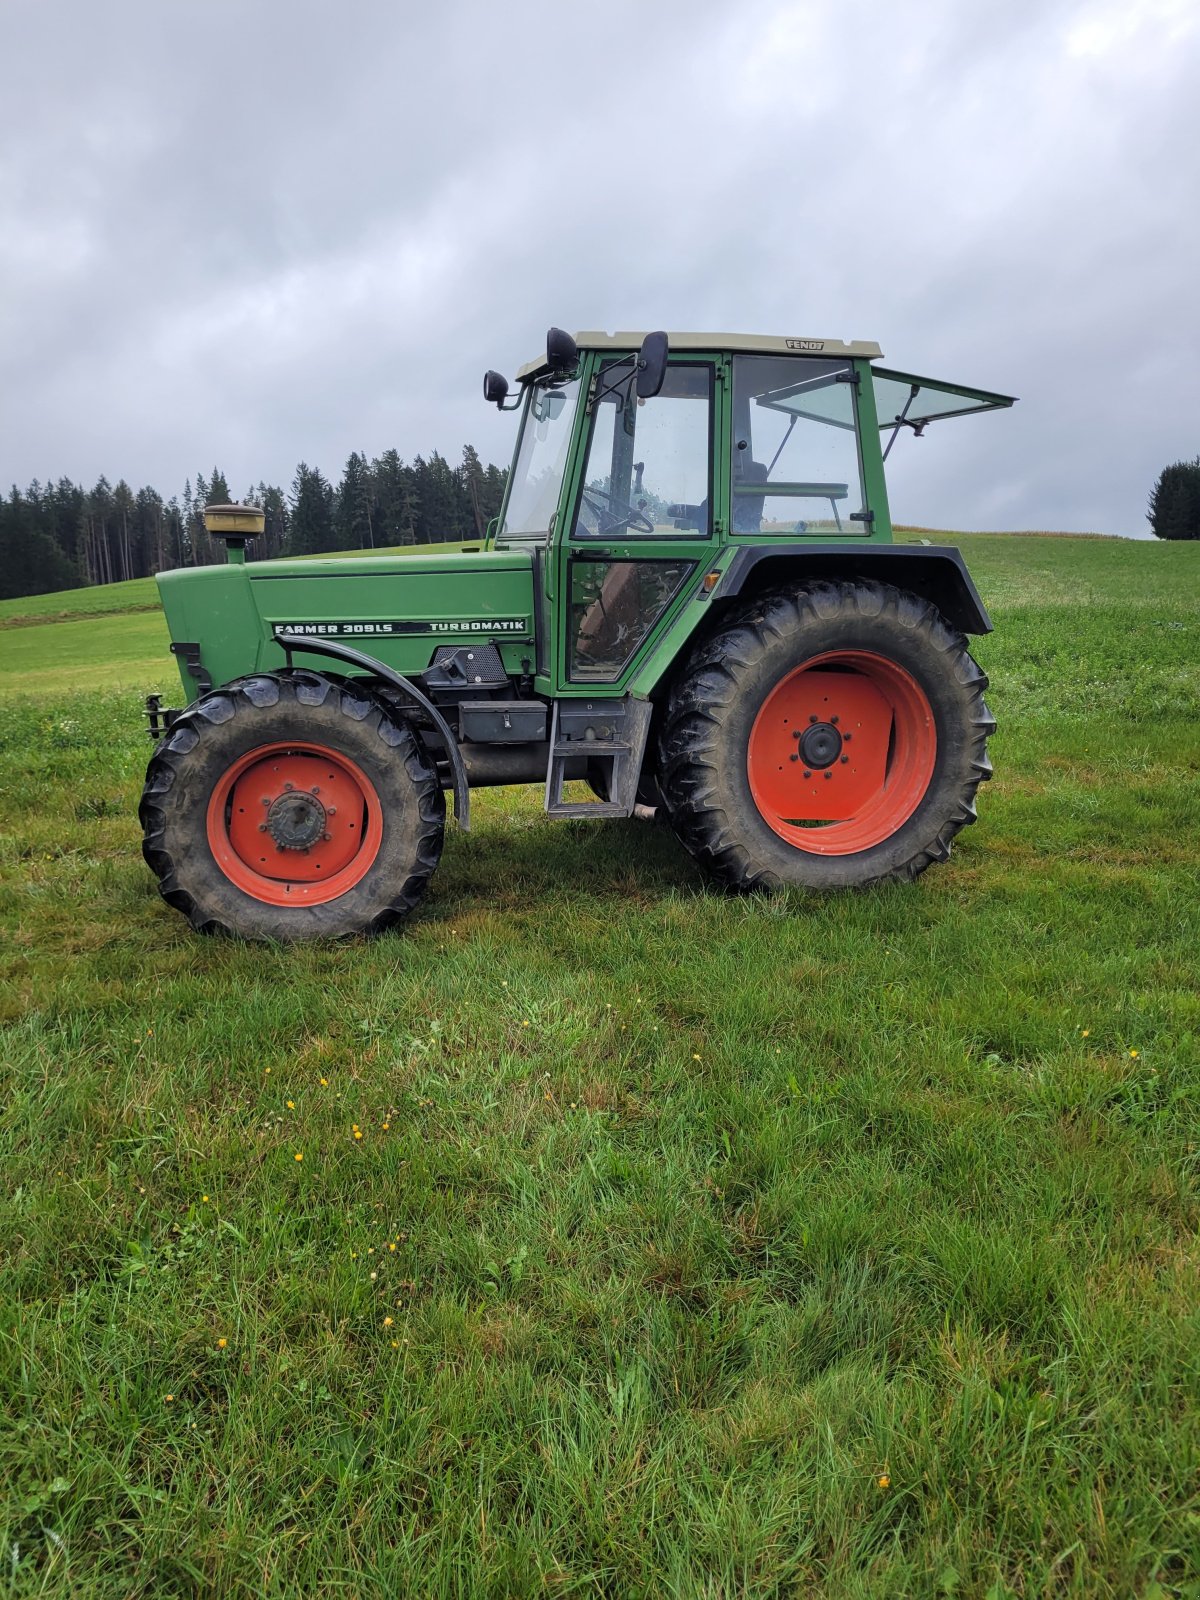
x=252 y=233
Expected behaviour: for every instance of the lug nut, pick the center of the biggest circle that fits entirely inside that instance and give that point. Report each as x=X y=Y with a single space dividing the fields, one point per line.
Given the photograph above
x=331 y=811
x=327 y=837
x=814 y=718
x=262 y=827
x=289 y=786
x=828 y=775
x=844 y=760
x=808 y=774
x=315 y=790
x=847 y=737
x=833 y=720
x=793 y=758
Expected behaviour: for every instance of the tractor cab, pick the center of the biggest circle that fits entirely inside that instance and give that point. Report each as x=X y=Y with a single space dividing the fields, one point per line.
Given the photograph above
x=631 y=474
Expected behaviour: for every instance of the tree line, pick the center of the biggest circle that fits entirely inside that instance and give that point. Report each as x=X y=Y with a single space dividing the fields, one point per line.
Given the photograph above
x=63 y=536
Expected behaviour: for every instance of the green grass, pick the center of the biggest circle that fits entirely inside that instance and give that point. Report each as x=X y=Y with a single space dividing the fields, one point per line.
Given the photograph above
x=742 y=1247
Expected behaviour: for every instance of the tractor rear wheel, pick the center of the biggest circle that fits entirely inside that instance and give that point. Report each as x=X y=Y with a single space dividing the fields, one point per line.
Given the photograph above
x=830 y=736
x=291 y=806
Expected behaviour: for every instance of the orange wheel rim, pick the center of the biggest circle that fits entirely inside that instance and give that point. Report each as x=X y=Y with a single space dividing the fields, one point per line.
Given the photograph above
x=841 y=753
x=294 y=824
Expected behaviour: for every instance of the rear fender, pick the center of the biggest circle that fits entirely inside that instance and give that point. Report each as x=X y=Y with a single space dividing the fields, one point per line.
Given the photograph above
x=935 y=572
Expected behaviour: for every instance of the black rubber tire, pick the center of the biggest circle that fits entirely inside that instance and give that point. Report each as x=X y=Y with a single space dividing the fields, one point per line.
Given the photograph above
x=310 y=708
x=714 y=702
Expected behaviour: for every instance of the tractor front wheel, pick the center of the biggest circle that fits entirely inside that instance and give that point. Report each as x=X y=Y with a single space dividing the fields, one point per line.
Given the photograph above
x=830 y=737
x=290 y=806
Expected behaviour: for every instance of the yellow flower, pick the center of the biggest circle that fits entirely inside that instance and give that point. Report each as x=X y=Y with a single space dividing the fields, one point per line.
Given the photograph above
x=1086 y=1031
x=883 y=1480
x=695 y=1058
x=221 y=1343
x=266 y=1069
x=374 y=1275
x=395 y=1344
x=386 y=1126
x=324 y=1083
x=291 y=1105
x=168 y=1397
x=358 y=1133
x=387 y=1322
x=525 y=1024
x=1133 y=1054
x=299 y=1155
x=203 y=1199
x=391 y=1247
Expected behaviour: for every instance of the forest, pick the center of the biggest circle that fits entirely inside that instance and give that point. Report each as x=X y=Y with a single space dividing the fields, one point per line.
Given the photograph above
x=63 y=536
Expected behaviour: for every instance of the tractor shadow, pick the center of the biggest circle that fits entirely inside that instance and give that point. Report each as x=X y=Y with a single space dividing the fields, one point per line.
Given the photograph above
x=530 y=863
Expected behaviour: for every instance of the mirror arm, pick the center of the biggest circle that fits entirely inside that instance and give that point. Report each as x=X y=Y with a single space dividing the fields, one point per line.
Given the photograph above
x=612 y=388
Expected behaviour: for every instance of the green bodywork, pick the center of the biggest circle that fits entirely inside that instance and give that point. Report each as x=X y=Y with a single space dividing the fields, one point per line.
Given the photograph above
x=232 y=612
x=528 y=589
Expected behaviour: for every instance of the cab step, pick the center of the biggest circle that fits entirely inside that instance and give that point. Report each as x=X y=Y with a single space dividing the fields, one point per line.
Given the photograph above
x=611 y=733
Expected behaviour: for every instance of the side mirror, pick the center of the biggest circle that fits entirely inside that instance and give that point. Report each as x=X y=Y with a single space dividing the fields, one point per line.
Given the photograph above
x=495 y=388
x=562 y=353
x=651 y=367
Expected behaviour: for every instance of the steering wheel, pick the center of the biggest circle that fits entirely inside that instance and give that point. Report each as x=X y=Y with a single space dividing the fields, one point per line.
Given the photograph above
x=619 y=513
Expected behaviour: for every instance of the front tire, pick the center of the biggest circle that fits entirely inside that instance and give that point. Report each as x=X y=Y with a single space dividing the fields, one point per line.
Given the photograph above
x=290 y=806
x=831 y=736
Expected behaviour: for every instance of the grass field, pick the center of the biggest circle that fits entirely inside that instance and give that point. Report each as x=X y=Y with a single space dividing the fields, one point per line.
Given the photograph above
x=598 y=1235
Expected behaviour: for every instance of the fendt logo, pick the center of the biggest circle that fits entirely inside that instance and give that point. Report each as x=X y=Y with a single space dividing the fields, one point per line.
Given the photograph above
x=805 y=344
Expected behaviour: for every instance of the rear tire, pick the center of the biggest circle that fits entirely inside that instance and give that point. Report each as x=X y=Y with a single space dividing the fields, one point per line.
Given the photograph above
x=290 y=806
x=763 y=782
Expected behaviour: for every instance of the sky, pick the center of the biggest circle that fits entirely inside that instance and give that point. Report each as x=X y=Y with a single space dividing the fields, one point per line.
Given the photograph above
x=254 y=232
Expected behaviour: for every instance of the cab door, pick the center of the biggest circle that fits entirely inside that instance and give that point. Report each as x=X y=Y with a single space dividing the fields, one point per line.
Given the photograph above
x=647 y=508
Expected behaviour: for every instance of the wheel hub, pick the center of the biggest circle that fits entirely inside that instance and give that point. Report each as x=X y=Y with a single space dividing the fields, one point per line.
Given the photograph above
x=296 y=820
x=841 y=752
x=820 y=745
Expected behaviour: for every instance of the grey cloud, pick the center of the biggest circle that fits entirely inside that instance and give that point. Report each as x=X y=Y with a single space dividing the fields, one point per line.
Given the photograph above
x=252 y=233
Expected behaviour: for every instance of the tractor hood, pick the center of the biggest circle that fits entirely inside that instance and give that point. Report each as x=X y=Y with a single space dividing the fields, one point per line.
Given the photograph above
x=399 y=609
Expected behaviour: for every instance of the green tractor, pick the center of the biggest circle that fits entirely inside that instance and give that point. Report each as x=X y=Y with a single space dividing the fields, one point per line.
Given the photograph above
x=690 y=600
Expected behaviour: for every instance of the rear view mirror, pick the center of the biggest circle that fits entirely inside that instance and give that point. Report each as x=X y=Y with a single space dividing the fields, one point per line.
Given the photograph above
x=651 y=365
x=495 y=388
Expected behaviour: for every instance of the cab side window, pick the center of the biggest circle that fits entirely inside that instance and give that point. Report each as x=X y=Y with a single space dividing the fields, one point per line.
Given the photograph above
x=795 y=465
x=648 y=465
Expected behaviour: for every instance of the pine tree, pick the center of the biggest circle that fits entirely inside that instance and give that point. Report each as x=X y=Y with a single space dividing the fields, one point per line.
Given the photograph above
x=471 y=472
x=352 y=523
x=312 y=512
x=1174 y=511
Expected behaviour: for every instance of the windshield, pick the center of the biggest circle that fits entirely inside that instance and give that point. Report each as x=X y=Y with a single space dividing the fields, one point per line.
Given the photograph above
x=537 y=473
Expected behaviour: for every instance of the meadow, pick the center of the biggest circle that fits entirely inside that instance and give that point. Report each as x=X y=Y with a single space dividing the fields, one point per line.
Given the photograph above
x=599 y=1235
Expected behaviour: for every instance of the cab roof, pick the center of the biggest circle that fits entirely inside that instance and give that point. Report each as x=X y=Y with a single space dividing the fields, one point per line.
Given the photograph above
x=756 y=343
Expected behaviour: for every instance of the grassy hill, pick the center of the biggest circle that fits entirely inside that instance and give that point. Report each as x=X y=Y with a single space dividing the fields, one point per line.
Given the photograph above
x=644 y=1241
